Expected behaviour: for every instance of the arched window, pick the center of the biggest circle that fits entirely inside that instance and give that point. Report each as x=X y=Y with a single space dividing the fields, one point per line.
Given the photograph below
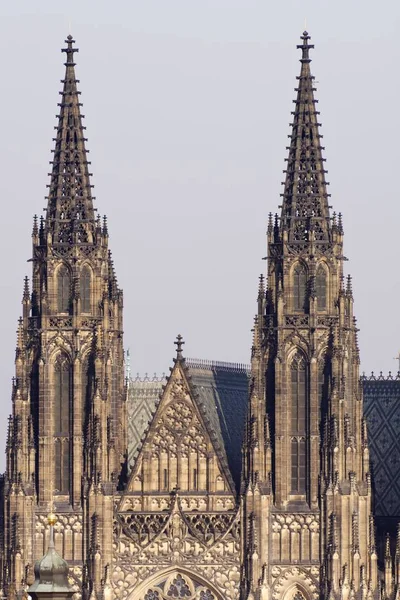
x=87 y=387
x=85 y=289
x=62 y=419
x=299 y=287
x=320 y=287
x=64 y=290
x=323 y=392
x=299 y=391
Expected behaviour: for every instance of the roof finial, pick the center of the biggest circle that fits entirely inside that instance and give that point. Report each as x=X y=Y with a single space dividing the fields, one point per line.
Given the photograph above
x=305 y=47
x=69 y=50
x=179 y=343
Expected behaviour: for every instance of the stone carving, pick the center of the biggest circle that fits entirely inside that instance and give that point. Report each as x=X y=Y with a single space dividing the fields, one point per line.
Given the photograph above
x=297 y=320
x=178 y=585
x=145 y=543
x=67 y=532
x=295 y=576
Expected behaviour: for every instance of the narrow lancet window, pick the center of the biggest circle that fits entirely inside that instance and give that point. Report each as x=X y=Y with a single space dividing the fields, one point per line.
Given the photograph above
x=320 y=288
x=298 y=426
x=62 y=416
x=64 y=290
x=85 y=290
x=299 y=287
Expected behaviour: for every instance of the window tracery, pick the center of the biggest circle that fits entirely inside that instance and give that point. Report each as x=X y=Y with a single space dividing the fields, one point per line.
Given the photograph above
x=178 y=586
x=62 y=412
x=321 y=287
x=298 y=426
x=85 y=289
x=299 y=287
x=63 y=289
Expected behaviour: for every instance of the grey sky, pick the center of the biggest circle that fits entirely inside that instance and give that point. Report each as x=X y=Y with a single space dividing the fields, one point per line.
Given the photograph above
x=187 y=108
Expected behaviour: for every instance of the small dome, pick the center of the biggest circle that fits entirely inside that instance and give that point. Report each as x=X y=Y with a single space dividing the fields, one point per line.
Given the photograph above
x=51 y=571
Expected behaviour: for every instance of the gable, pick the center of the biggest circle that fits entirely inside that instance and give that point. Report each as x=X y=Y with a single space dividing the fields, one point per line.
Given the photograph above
x=222 y=390
x=182 y=448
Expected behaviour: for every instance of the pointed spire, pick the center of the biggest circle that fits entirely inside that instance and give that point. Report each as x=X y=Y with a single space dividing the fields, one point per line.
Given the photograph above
x=388 y=554
x=349 y=287
x=70 y=216
x=35 y=229
x=26 y=295
x=305 y=210
x=179 y=344
x=270 y=227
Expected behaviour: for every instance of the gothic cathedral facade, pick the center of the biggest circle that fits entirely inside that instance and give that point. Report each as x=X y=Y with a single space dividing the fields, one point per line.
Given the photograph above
x=175 y=524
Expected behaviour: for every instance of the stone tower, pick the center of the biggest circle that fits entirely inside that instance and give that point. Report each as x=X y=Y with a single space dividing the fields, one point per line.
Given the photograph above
x=66 y=439
x=307 y=526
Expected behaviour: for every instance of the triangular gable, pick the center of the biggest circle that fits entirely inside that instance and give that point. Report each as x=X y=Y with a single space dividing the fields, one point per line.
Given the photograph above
x=182 y=446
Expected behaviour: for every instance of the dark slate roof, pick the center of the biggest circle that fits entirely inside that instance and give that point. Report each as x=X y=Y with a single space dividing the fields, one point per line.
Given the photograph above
x=222 y=390
x=382 y=412
x=143 y=394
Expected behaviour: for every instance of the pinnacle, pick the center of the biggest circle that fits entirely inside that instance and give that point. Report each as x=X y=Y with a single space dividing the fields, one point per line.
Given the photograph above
x=26 y=294
x=35 y=229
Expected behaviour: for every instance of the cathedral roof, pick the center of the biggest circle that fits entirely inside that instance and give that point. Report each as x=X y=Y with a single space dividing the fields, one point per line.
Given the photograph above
x=223 y=391
x=382 y=413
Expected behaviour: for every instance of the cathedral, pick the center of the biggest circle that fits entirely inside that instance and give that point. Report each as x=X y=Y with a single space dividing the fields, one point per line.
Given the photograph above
x=169 y=489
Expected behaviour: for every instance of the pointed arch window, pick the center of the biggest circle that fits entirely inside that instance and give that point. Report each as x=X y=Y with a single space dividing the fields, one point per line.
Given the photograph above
x=323 y=392
x=298 y=425
x=87 y=387
x=299 y=287
x=62 y=420
x=321 y=288
x=64 y=290
x=85 y=289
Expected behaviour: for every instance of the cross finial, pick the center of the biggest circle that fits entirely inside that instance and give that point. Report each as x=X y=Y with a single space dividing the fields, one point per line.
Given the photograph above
x=305 y=47
x=69 y=50
x=179 y=343
x=398 y=358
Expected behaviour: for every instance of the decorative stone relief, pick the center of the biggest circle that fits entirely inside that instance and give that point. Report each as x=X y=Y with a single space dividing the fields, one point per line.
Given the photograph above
x=285 y=579
x=206 y=543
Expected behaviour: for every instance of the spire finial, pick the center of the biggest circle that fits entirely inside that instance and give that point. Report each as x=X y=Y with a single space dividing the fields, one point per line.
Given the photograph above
x=69 y=50
x=305 y=47
x=179 y=343
x=52 y=520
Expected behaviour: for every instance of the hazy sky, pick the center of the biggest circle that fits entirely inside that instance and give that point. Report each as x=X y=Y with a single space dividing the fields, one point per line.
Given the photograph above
x=187 y=106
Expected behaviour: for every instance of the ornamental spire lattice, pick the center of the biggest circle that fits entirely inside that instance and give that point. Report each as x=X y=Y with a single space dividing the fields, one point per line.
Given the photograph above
x=70 y=216
x=305 y=210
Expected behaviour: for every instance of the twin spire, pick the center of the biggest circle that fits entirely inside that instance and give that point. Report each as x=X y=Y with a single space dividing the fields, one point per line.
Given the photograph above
x=70 y=214
x=305 y=210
